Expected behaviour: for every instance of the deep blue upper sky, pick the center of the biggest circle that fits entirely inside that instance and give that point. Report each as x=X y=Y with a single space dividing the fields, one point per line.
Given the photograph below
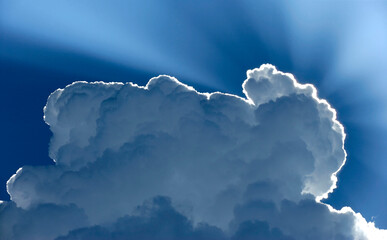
x=340 y=46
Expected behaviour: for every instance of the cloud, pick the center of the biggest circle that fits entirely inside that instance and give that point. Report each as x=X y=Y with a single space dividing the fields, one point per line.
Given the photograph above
x=233 y=167
x=155 y=219
x=44 y=221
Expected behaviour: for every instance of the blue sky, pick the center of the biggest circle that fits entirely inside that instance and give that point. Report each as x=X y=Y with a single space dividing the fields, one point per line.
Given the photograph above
x=339 y=46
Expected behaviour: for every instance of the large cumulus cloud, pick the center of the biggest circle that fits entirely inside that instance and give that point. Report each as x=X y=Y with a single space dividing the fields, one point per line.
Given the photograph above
x=164 y=161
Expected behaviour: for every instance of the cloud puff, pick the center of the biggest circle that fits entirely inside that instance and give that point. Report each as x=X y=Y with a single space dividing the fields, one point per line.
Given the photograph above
x=155 y=219
x=232 y=167
x=44 y=221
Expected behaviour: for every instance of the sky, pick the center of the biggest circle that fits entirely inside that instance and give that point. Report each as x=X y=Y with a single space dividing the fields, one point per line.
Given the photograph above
x=338 y=46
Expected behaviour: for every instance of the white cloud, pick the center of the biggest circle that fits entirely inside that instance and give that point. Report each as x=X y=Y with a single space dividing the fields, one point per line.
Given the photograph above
x=244 y=167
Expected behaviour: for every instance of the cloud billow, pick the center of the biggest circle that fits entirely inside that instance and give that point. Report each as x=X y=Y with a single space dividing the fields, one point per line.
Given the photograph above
x=167 y=162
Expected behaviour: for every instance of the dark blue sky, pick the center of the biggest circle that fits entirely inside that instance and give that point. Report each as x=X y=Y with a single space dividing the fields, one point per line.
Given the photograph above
x=339 y=46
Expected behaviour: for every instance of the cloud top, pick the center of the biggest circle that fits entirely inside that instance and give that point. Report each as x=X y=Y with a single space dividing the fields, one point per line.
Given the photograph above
x=213 y=164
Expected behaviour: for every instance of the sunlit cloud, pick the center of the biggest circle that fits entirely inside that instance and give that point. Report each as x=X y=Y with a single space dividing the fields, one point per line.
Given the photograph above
x=131 y=159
